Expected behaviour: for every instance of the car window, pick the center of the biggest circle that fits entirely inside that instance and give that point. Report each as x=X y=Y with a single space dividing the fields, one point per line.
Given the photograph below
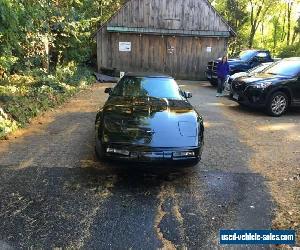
x=262 y=54
x=285 y=68
x=259 y=68
x=148 y=87
x=247 y=55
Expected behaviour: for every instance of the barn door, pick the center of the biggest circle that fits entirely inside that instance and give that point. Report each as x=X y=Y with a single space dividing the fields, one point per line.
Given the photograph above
x=171 y=55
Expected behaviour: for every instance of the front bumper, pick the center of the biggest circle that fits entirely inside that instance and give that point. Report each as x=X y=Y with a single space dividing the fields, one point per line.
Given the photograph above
x=142 y=154
x=254 y=97
x=211 y=76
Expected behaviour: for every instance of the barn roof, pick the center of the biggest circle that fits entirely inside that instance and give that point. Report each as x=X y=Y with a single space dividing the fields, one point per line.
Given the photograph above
x=165 y=17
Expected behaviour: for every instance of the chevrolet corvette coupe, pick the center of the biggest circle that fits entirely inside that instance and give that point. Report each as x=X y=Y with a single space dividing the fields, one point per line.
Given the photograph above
x=147 y=117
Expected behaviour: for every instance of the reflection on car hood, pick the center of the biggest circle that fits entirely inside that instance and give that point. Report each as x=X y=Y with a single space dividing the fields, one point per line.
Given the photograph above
x=150 y=121
x=262 y=77
x=239 y=74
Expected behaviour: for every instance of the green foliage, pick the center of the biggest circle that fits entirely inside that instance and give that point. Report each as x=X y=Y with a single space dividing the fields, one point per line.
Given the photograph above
x=290 y=51
x=23 y=97
x=6 y=125
x=269 y=24
x=45 y=47
x=24 y=107
x=45 y=33
x=6 y=63
x=234 y=11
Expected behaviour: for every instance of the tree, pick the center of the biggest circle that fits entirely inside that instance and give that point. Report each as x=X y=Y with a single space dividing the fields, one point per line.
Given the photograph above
x=296 y=32
x=39 y=33
x=289 y=6
x=235 y=13
x=258 y=12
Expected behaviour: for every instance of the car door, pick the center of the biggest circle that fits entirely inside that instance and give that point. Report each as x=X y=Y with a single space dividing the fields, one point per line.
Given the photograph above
x=296 y=90
x=259 y=58
x=294 y=86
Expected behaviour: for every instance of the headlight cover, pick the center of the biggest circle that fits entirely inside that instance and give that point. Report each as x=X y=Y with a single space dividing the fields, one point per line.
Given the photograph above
x=262 y=85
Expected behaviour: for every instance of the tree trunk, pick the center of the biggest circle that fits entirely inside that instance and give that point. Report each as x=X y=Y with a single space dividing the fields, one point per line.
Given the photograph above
x=46 y=53
x=275 y=25
x=254 y=21
x=289 y=10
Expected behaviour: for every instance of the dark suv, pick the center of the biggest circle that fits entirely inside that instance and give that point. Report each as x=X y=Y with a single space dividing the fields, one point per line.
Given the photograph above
x=246 y=60
x=274 y=89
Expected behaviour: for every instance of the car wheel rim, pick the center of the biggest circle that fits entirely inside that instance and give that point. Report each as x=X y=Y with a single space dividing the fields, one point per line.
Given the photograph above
x=278 y=105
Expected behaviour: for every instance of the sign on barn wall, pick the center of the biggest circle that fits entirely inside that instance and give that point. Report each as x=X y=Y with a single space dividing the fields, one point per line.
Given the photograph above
x=208 y=49
x=125 y=46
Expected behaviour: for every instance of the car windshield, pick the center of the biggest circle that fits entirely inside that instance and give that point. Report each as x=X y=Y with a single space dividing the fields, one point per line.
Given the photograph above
x=247 y=55
x=285 y=68
x=259 y=68
x=147 y=87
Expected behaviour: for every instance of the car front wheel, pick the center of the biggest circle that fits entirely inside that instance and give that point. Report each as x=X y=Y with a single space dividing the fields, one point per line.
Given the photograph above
x=99 y=150
x=277 y=104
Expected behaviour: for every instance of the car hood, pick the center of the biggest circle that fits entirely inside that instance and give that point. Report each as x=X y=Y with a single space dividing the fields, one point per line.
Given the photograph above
x=150 y=122
x=232 y=61
x=239 y=74
x=262 y=77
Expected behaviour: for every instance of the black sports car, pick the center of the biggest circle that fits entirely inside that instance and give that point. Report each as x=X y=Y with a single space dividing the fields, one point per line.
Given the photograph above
x=147 y=118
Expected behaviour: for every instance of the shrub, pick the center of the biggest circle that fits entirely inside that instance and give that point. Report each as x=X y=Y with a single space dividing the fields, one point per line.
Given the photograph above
x=290 y=51
x=65 y=73
x=6 y=64
x=6 y=125
x=25 y=96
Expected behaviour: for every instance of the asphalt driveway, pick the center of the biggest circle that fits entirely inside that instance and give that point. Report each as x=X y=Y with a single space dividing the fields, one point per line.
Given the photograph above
x=54 y=194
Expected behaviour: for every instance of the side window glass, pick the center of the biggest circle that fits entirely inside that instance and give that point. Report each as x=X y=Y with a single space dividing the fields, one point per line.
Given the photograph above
x=262 y=56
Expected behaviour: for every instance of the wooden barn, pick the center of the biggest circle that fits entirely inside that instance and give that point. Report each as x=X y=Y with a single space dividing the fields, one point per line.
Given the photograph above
x=175 y=37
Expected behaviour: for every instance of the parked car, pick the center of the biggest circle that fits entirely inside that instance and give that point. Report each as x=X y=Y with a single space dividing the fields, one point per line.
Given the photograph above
x=246 y=60
x=275 y=89
x=147 y=117
x=250 y=72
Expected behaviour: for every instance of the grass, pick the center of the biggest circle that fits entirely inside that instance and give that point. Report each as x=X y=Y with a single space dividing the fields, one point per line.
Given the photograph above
x=24 y=96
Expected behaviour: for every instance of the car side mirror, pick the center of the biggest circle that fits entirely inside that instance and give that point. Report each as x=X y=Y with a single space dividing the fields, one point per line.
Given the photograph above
x=108 y=91
x=188 y=94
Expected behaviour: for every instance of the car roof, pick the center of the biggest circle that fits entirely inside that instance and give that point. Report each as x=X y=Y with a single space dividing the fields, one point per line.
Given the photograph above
x=147 y=74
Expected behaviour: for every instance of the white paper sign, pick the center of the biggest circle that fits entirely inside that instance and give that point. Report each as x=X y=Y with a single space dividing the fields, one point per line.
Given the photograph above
x=208 y=49
x=125 y=46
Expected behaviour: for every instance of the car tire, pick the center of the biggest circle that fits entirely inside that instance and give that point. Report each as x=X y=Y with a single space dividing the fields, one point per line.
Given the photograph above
x=242 y=104
x=277 y=104
x=99 y=151
x=191 y=164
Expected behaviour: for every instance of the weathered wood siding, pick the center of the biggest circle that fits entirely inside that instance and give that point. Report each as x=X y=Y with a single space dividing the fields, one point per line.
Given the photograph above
x=169 y=14
x=149 y=53
x=180 y=56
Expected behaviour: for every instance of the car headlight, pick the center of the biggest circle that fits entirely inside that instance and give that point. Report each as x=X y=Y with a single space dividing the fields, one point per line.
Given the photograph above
x=262 y=85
